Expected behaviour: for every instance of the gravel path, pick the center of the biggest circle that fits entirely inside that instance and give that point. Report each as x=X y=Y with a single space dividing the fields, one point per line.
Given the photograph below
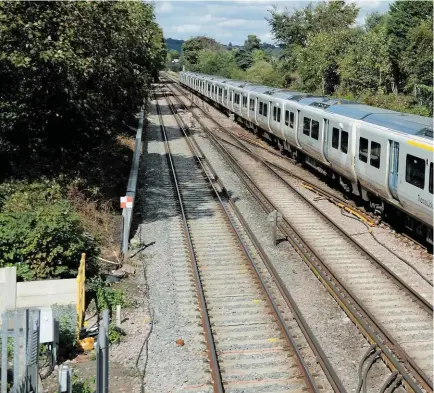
x=170 y=367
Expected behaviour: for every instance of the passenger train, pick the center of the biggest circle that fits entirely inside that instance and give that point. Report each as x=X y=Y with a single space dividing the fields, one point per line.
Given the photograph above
x=382 y=156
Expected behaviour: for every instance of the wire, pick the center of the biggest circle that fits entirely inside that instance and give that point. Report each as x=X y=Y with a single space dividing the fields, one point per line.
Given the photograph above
x=388 y=381
x=359 y=371
x=362 y=378
x=375 y=357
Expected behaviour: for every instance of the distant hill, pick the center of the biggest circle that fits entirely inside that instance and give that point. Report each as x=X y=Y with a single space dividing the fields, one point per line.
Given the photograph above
x=177 y=45
x=174 y=44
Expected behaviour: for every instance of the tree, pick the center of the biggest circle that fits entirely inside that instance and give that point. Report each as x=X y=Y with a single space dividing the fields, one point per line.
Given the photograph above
x=193 y=46
x=293 y=28
x=252 y=43
x=72 y=73
x=403 y=17
x=366 y=65
x=418 y=60
x=374 y=19
x=221 y=62
x=318 y=62
x=244 y=59
x=172 y=55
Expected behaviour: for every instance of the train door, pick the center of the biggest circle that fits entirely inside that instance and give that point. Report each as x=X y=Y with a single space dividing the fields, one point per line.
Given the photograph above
x=393 y=168
x=326 y=138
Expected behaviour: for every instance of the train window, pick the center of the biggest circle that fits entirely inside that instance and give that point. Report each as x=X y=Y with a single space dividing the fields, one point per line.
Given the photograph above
x=261 y=105
x=252 y=104
x=315 y=130
x=291 y=119
x=375 y=154
x=231 y=96
x=344 y=142
x=306 y=126
x=286 y=118
x=363 y=149
x=274 y=113
x=415 y=171
x=278 y=114
x=265 y=110
x=244 y=102
x=335 y=138
x=209 y=88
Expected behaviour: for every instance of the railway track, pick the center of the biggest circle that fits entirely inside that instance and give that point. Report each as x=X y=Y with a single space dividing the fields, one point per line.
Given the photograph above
x=250 y=346
x=392 y=315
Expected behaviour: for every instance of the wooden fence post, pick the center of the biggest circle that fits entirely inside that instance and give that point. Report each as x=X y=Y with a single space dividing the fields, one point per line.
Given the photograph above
x=81 y=278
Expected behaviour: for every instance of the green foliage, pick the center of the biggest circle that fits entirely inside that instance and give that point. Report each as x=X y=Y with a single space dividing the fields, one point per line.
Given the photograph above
x=252 y=43
x=244 y=59
x=71 y=73
x=80 y=385
x=107 y=297
x=404 y=17
x=67 y=336
x=40 y=233
x=115 y=334
x=366 y=66
x=193 y=46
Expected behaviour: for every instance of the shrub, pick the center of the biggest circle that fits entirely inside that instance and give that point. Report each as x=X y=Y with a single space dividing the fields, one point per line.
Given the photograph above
x=40 y=233
x=106 y=296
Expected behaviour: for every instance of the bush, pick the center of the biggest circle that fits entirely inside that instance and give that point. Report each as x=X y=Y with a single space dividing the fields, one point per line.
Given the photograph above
x=106 y=296
x=396 y=102
x=40 y=233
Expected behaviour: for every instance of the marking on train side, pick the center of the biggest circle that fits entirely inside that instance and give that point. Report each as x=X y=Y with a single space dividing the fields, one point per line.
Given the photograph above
x=421 y=145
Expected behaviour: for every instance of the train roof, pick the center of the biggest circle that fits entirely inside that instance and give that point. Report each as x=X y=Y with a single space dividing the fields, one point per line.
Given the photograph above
x=404 y=122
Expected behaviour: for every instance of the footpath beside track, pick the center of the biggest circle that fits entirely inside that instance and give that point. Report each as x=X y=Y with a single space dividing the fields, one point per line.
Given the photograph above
x=249 y=343
x=393 y=316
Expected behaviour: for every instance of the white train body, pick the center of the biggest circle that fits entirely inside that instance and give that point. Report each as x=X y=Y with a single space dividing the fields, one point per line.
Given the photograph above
x=381 y=155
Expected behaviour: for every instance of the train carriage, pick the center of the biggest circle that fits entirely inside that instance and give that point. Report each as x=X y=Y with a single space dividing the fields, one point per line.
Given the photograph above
x=384 y=156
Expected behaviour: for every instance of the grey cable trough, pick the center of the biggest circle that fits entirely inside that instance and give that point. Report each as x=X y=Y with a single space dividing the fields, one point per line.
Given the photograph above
x=127 y=212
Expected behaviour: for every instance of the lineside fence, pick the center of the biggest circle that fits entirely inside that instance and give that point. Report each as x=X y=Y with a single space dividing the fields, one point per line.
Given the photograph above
x=19 y=352
x=127 y=202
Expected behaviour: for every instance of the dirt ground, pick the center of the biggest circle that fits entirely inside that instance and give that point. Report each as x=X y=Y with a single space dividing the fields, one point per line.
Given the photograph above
x=126 y=363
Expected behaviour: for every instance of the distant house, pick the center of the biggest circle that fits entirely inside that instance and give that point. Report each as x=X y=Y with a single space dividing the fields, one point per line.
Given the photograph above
x=175 y=61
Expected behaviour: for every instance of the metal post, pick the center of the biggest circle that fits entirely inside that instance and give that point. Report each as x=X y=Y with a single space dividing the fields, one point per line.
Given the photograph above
x=33 y=351
x=65 y=379
x=4 y=355
x=16 y=347
x=105 y=352
x=274 y=217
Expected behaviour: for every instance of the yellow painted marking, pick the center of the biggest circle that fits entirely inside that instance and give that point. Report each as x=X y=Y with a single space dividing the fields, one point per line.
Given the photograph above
x=257 y=301
x=421 y=145
x=273 y=340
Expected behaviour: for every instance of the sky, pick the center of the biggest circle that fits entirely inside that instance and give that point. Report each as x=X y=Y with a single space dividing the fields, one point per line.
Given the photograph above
x=232 y=21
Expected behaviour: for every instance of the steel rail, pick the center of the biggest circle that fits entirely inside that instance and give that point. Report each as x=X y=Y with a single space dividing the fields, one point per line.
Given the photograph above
x=212 y=353
x=197 y=151
x=327 y=367
x=329 y=280
x=423 y=302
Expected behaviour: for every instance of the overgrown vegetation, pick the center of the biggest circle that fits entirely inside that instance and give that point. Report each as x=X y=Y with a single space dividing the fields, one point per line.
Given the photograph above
x=83 y=385
x=106 y=297
x=387 y=62
x=73 y=74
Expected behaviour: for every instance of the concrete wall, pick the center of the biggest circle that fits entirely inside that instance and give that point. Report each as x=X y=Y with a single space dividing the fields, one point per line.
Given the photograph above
x=34 y=293
x=46 y=293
